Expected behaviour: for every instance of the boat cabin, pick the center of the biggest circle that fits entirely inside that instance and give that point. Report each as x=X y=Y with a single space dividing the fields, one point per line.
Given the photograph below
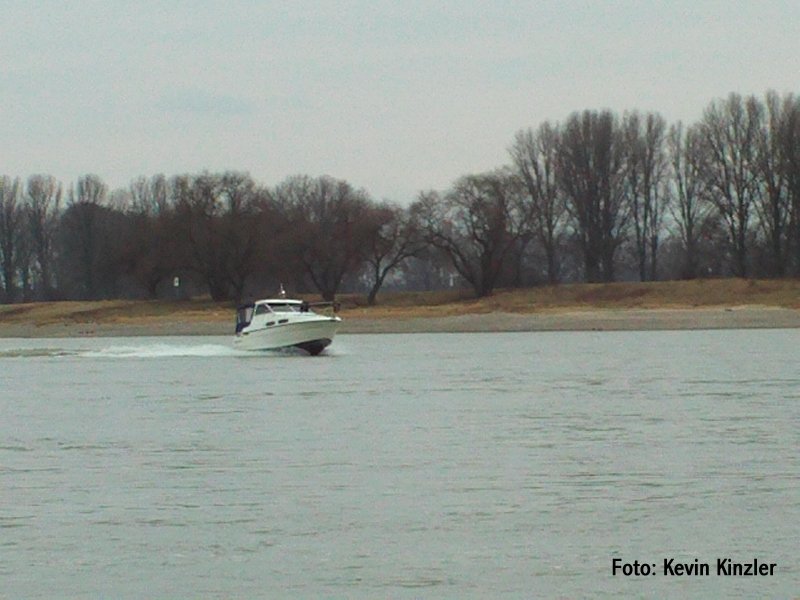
x=246 y=312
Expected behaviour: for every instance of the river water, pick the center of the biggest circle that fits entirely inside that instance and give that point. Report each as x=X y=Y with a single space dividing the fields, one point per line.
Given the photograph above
x=399 y=466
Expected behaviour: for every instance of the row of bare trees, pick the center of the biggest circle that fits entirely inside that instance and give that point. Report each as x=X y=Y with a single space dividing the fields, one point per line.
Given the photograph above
x=608 y=191
x=598 y=197
x=220 y=234
x=732 y=176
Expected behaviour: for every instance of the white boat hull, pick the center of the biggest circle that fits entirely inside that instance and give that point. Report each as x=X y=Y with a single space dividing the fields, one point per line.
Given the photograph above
x=311 y=334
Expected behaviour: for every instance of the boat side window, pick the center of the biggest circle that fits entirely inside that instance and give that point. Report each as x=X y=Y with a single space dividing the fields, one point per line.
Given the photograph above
x=261 y=309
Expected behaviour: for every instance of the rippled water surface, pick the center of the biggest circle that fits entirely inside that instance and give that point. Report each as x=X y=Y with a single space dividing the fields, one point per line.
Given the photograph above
x=398 y=466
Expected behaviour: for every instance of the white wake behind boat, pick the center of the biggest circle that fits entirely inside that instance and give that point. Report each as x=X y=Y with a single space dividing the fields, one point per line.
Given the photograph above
x=283 y=323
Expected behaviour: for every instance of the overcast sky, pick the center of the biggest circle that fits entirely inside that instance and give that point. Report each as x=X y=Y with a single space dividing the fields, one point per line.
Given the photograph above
x=395 y=97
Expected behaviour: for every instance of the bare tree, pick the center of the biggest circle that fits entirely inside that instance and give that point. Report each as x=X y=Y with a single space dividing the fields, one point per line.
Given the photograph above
x=153 y=253
x=84 y=233
x=330 y=226
x=534 y=156
x=242 y=234
x=655 y=183
x=43 y=207
x=730 y=131
x=645 y=169
x=476 y=224
x=688 y=210
x=24 y=259
x=395 y=238
x=772 y=202
x=790 y=150
x=219 y=215
x=150 y=196
x=590 y=172
x=10 y=221
x=196 y=200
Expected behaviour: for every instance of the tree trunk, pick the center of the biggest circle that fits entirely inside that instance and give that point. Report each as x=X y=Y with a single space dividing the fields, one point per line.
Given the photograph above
x=373 y=294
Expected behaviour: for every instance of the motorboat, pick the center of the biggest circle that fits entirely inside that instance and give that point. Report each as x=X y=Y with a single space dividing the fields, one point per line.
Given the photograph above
x=284 y=323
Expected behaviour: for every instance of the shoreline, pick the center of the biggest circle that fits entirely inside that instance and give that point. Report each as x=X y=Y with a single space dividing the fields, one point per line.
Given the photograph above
x=567 y=319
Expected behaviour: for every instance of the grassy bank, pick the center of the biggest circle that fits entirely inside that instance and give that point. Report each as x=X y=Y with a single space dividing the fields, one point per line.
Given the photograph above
x=583 y=297
x=546 y=299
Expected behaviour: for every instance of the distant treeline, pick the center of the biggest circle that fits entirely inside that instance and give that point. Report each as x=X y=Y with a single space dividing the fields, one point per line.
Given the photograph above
x=599 y=197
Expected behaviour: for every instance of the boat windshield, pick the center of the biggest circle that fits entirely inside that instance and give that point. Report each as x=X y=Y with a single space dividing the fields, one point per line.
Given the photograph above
x=284 y=308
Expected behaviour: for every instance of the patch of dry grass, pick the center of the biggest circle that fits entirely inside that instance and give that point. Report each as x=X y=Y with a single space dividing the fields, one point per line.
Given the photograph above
x=111 y=311
x=570 y=297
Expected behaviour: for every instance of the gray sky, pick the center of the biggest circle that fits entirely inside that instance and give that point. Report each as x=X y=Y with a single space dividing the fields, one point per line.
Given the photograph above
x=395 y=97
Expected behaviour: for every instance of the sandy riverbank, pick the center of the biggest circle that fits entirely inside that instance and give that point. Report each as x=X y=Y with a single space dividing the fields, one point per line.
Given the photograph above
x=744 y=317
x=741 y=317
x=699 y=304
